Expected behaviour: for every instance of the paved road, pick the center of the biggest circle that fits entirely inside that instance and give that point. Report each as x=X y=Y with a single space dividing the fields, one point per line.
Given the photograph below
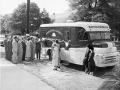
x=14 y=78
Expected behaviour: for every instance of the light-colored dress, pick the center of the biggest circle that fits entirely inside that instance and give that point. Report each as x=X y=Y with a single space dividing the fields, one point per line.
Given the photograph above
x=34 y=46
x=15 y=51
x=20 y=51
x=56 y=54
x=28 y=50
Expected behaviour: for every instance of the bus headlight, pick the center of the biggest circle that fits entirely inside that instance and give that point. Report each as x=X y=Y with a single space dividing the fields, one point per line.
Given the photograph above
x=103 y=57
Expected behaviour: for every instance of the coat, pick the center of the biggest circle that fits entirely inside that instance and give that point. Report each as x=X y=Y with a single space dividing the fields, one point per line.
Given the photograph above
x=38 y=46
x=9 y=51
x=6 y=48
x=24 y=49
x=91 y=63
x=20 y=51
x=85 y=60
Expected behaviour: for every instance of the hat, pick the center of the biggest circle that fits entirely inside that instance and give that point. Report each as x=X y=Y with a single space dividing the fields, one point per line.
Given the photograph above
x=15 y=36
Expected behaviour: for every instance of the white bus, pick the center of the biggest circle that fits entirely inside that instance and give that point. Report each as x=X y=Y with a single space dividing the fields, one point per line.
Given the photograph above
x=80 y=34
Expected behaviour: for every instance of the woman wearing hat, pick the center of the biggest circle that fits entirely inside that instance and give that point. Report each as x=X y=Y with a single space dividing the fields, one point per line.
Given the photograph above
x=15 y=50
x=28 y=49
x=20 y=50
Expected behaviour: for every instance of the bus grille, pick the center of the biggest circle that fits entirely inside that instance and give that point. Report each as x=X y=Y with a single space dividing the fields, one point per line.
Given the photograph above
x=110 y=58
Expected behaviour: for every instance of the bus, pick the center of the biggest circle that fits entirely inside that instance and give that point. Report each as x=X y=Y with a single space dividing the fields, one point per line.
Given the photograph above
x=74 y=37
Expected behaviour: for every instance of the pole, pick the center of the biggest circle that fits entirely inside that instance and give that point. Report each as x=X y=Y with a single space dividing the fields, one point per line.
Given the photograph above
x=28 y=16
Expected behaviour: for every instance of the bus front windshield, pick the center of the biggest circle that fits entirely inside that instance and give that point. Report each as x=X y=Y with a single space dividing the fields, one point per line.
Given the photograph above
x=99 y=35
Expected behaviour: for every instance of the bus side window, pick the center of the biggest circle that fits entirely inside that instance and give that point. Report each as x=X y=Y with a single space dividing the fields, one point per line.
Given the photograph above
x=85 y=36
x=82 y=35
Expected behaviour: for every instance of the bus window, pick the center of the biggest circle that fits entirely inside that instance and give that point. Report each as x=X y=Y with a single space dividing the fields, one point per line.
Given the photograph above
x=105 y=35
x=99 y=35
x=95 y=35
x=85 y=36
x=82 y=35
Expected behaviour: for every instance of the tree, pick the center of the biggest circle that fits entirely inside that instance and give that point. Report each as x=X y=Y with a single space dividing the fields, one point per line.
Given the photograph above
x=107 y=11
x=5 y=23
x=19 y=17
x=45 y=16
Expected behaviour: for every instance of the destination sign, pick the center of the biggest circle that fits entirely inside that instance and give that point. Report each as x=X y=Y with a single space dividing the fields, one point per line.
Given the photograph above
x=98 y=26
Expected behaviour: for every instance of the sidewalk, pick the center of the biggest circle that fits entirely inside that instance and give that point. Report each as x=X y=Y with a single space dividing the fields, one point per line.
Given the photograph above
x=14 y=78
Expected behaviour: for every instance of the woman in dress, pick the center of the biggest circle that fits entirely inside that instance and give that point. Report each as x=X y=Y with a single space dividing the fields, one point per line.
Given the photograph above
x=85 y=60
x=28 y=50
x=56 y=55
x=24 y=48
x=15 y=50
x=91 y=63
x=20 y=50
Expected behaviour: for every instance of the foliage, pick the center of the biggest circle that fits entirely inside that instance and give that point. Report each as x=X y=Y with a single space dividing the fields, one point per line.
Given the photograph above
x=107 y=11
x=45 y=16
x=17 y=22
x=5 y=23
x=19 y=17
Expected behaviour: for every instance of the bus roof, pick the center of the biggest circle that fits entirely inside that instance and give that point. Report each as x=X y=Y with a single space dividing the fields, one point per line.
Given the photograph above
x=89 y=26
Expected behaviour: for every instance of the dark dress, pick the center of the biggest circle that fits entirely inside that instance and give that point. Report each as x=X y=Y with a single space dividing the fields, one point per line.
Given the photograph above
x=91 y=63
x=38 y=49
x=85 y=61
x=6 y=48
x=24 y=50
x=9 y=49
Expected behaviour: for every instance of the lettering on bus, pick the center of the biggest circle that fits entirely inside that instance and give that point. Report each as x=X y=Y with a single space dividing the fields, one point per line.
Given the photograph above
x=54 y=31
x=98 y=26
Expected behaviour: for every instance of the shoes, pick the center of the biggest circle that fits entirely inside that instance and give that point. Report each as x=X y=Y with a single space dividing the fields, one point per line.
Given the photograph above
x=55 y=69
x=58 y=66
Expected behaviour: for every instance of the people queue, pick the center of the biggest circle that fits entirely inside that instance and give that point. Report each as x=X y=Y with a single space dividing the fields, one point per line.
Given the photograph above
x=22 y=48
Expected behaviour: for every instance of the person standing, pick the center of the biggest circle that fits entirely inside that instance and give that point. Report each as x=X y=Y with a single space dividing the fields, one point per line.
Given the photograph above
x=85 y=60
x=6 y=46
x=33 y=46
x=15 y=50
x=24 y=48
x=91 y=63
x=56 y=55
x=28 y=50
x=20 y=50
x=38 y=49
x=9 y=48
